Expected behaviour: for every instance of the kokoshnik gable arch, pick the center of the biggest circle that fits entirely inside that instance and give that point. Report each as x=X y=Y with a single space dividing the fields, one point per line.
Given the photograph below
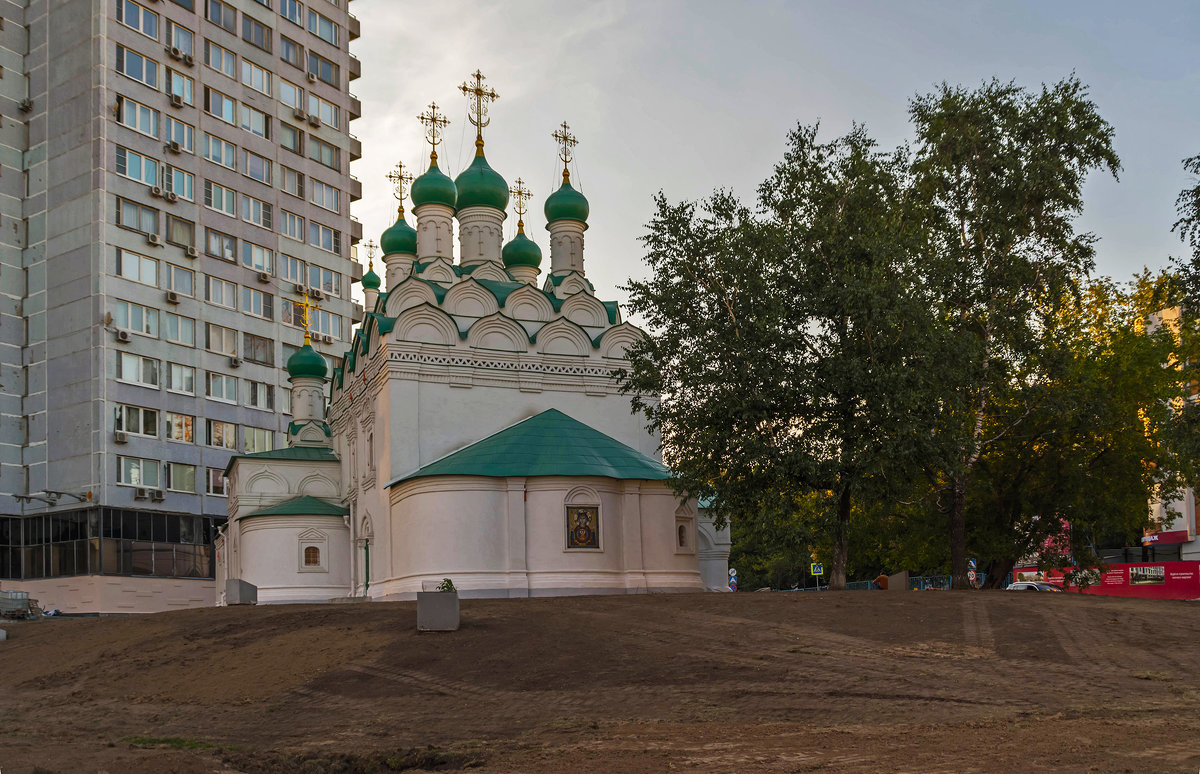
x=474 y=429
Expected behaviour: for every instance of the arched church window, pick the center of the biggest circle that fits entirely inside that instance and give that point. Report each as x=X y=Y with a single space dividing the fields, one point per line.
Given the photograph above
x=312 y=556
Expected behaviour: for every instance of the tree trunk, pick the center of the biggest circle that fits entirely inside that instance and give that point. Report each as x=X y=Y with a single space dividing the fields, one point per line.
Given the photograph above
x=841 y=541
x=998 y=573
x=958 y=534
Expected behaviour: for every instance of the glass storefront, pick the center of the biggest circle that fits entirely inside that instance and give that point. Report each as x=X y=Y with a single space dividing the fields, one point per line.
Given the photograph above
x=106 y=541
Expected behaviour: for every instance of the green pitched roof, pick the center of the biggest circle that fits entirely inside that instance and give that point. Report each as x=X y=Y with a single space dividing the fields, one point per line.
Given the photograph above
x=548 y=444
x=301 y=506
x=294 y=453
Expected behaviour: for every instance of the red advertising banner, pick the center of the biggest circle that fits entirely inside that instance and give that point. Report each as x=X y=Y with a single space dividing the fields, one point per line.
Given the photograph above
x=1163 y=538
x=1155 y=580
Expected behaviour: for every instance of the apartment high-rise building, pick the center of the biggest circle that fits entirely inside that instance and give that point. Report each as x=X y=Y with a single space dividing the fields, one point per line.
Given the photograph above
x=174 y=191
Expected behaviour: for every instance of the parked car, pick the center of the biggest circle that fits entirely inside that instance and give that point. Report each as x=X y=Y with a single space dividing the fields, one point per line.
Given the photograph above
x=1033 y=586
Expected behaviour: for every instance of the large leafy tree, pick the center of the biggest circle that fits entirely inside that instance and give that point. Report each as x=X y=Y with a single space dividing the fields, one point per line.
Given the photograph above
x=790 y=346
x=1000 y=170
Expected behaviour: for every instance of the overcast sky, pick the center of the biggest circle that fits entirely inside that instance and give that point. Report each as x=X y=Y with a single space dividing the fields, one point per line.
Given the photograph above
x=688 y=96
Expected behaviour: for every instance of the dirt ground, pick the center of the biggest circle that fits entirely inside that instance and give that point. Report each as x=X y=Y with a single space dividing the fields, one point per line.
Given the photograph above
x=933 y=682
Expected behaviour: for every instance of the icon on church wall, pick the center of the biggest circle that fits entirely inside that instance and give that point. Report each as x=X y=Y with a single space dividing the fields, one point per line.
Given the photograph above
x=583 y=526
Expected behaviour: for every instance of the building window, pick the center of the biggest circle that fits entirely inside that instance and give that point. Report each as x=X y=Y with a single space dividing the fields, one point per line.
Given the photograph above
x=179 y=427
x=255 y=121
x=325 y=196
x=182 y=184
x=328 y=112
x=325 y=238
x=324 y=69
x=220 y=245
x=290 y=94
x=137 y=116
x=258 y=439
x=259 y=304
x=219 y=292
x=257 y=35
x=256 y=211
x=181 y=232
x=220 y=152
x=222 y=15
x=135 y=166
x=222 y=388
x=133 y=65
x=323 y=28
x=259 y=349
x=260 y=396
x=184 y=134
x=219 y=339
x=219 y=105
x=132 y=471
x=290 y=313
x=257 y=257
x=256 y=77
x=220 y=59
x=179 y=279
x=181 y=86
x=223 y=435
x=291 y=138
x=312 y=556
x=291 y=225
x=327 y=323
x=181 y=378
x=181 y=477
x=136 y=267
x=215 y=482
x=181 y=38
x=137 y=217
x=179 y=330
x=291 y=10
x=323 y=153
x=220 y=198
x=135 y=420
x=188 y=4
x=256 y=167
x=291 y=269
x=291 y=52
x=137 y=369
x=136 y=318
x=136 y=17
x=292 y=182
x=285 y=400
x=325 y=279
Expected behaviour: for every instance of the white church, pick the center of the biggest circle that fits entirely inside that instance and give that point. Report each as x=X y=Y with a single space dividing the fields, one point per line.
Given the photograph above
x=474 y=430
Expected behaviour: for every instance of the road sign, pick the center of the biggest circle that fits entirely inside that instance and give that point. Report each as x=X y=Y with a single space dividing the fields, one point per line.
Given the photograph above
x=733 y=583
x=816 y=569
x=971 y=575
x=732 y=573
x=971 y=564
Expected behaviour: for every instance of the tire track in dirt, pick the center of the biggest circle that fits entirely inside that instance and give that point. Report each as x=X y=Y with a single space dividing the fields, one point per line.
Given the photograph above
x=977 y=626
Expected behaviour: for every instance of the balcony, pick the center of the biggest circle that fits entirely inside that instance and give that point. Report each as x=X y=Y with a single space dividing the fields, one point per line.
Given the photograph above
x=355 y=230
x=355 y=189
x=355 y=107
x=355 y=68
x=355 y=148
x=354 y=27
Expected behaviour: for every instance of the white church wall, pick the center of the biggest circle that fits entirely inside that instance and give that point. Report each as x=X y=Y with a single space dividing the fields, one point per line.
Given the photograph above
x=277 y=544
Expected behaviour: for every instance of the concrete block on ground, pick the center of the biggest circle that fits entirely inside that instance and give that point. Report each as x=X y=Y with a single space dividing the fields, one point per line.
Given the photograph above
x=239 y=592
x=898 y=582
x=3 y=635
x=437 y=611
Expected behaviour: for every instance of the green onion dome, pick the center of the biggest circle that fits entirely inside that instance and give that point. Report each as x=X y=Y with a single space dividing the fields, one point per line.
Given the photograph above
x=522 y=251
x=401 y=237
x=433 y=187
x=481 y=186
x=370 y=280
x=305 y=362
x=566 y=204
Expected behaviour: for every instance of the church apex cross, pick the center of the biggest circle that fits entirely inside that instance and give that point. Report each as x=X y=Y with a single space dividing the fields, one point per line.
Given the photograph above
x=371 y=247
x=307 y=308
x=479 y=98
x=435 y=124
x=400 y=180
x=520 y=195
x=566 y=147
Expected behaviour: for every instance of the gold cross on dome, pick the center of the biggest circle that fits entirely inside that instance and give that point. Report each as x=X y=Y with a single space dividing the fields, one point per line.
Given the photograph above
x=479 y=98
x=371 y=247
x=566 y=144
x=435 y=123
x=400 y=182
x=520 y=195
x=306 y=308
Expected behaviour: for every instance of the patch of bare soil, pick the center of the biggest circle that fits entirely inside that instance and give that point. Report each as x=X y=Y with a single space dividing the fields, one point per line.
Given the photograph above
x=830 y=682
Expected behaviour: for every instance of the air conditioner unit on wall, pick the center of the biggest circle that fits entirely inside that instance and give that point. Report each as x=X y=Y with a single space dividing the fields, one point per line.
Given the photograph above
x=314 y=120
x=325 y=338
x=172 y=297
x=26 y=105
x=141 y=493
x=124 y=336
x=174 y=52
x=302 y=289
x=158 y=494
x=176 y=100
x=173 y=147
x=234 y=361
x=189 y=60
x=298 y=114
x=153 y=239
x=120 y=436
x=171 y=196
x=193 y=252
x=155 y=190
x=312 y=77
x=264 y=276
x=316 y=293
